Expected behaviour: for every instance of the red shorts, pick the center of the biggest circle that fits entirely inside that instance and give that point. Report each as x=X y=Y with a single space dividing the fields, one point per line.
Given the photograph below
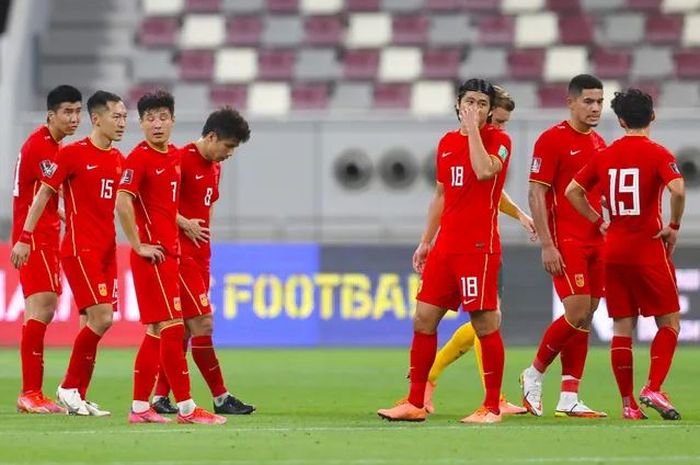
x=194 y=287
x=467 y=279
x=157 y=289
x=42 y=273
x=583 y=273
x=647 y=290
x=92 y=279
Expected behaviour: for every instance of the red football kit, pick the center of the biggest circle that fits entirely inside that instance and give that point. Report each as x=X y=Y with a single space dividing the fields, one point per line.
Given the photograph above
x=560 y=152
x=36 y=158
x=89 y=176
x=199 y=191
x=152 y=177
x=639 y=273
x=462 y=268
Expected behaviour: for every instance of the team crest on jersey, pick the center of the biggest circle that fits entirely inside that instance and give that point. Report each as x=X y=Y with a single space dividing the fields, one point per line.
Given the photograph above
x=536 y=165
x=102 y=289
x=674 y=167
x=176 y=304
x=48 y=168
x=127 y=176
x=580 y=281
x=203 y=300
x=503 y=152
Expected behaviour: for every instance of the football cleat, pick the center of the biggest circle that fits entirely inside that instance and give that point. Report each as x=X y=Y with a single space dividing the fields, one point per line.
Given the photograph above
x=428 y=397
x=531 y=386
x=659 y=401
x=482 y=416
x=149 y=416
x=164 y=406
x=510 y=409
x=95 y=410
x=202 y=417
x=51 y=406
x=71 y=400
x=31 y=402
x=578 y=410
x=405 y=411
x=233 y=406
x=630 y=413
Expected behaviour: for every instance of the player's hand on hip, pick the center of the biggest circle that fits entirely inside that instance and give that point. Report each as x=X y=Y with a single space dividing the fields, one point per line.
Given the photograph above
x=670 y=238
x=20 y=254
x=154 y=253
x=528 y=225
x=420 y=256
x=552 y=261
x=194 y=230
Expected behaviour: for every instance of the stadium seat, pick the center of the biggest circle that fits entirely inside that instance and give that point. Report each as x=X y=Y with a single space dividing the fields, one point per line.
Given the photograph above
x=691 y=30
x=576 y=29
x=402 y=5
x=650 y=87
x=269 y=98
x=232 y=95
x=442 y=5
x=362 y=5
x=282 y=31
x=565 y=61
x=526 y=64
x=489 y=62
x=196 y=65
x=203 y=6
x=242 y=6
x=602 y=5
x=687 y=64
x=282 y=6
x=679 y=94
x=158 y=32
x=320 y=7
x=368 y=30
x=521 y=6
x=352 y=96
x=236 y=65
x=536 y=30
x=202 y=31
x=149 y=65
x=564 y=6
x=651 y=63
x=195 y=94
x=400 y=64
x=276 y=64
x=680 y=6
x=316 y=64
x=163 y=7
x=552 y=95
x=392 y=96
x=651 y=6
x=360 y=64
x=622 y=29
x=323 y=30
x=482 y=6
x=410 y=29
x=524 y=93
x=309 y=96
x=452 y=29
x=139 y=90
x=609 y=88
x=611 y=63
x=441 y=63
x=244 y=30
x=497 y=30
x=432 y=98
x=664 y=29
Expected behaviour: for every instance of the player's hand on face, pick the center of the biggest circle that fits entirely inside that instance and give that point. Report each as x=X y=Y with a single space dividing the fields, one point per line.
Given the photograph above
x=469 y=119
x=154 y=253
x=552 y=261
x=419 y=257
x=20 y=254
x=194 y=230
x=670 y=238
x=528 y=225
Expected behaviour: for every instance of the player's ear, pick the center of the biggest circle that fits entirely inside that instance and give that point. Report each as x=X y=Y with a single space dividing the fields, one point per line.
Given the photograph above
x=653 y=116
x=623 y=125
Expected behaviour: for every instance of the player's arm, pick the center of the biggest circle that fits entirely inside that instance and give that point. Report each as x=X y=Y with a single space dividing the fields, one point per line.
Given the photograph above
x=20 y=251
x=510 y=208
x=551 y=258
x=669 y=234
x=485 y=166
x=431 y=228
x=127 y=218
x=192 y=227
x=577 y=196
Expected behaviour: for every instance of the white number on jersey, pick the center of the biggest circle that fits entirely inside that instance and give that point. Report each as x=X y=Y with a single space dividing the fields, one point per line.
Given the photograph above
x=173 y=184
x=457 y=175
x=207 y=196
x=106 y=192
x=470 y=286
x=624 y=181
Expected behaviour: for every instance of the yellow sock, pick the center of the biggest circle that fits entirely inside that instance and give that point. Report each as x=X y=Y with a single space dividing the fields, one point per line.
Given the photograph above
x=460 y=343
x=479 y=360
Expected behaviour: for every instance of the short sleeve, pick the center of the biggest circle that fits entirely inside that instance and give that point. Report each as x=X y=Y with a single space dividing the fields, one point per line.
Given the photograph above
x=587 y=177
x=54 y=173
x=442 y=148
x=499 y=146
x=544 y=160
x=133 y=172
x=668 y=167
x=217 y=179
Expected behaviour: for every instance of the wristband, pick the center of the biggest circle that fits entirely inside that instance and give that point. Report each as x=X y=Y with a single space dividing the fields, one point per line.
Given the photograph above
x=599 y=222
x=26 y=237
x=674 y=226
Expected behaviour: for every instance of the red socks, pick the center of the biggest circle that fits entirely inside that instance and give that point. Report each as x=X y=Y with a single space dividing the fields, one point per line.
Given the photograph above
x=172 y=358
x=557 y=335
x=205 y=358
x=662 y=350
x=32 y=355
x=146 y=367
x=493 y=359
x=423 y=350
x=82 y=359
x=622 y=361
x=573 y=360
x=162 y=385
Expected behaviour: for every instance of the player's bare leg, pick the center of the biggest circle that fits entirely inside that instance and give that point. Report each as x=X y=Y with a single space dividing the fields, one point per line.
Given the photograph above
x=423 y=350
x=662 y=350
x=622 y=361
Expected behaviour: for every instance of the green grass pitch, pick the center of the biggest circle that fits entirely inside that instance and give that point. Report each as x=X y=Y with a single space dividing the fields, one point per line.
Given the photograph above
x=318 y=407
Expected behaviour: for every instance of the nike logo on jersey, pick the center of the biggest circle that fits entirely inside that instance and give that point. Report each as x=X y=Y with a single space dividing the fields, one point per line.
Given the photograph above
x=467 y=302
x=160 y=171
x=91 y=167
x=199 y=176
x=574 y=152
x=445 y=154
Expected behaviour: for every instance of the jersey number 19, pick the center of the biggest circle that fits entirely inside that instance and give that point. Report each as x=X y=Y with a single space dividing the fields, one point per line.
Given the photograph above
x=624 y=181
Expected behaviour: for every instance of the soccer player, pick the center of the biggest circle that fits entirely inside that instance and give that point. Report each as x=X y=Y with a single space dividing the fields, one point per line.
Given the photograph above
x=88 y=171
x=147 y=202
x=223 y=131
x=639 y=273
x=39 y=277
x=571 y=247
x=462 y=267
x=464 y=338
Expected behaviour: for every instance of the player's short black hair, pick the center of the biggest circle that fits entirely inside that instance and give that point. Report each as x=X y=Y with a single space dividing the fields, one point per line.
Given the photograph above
x=227 y=123
x=503 y=99
x=477 y=85
x=62 y=94
x=153 y=100
x=635 y=107
x=99 y=100
x=581 y=82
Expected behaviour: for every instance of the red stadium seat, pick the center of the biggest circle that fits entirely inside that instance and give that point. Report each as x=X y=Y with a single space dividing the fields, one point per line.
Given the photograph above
x=392 y=96
x=648 y=5
x=310 y=96
x=664 y=29
x=232 y=95
x=482 y=6
x=158 y=32
x=650 y=87
x=360 y=64
x=137 y=91
x=443 y=5
x=687 y=64
x=276 y=64
x=323 y=30
x=526 y=63
x=410 y=29
x=552 y=95
x=564 y=6
x=576 y=29
x=282 y=6
x=244 y=30
x=496 y=30
x=362 y=5
x=611 y=64
x=196 y=65
x=203 y=6
x=442 y=63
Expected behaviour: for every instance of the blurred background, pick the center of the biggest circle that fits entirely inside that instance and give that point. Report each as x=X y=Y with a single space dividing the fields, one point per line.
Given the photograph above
x=320 y=211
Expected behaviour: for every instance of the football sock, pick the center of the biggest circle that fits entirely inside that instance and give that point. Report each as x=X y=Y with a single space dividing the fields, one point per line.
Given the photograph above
x=146 y=368
x=555 y=337
x=82 y=359
x=172 y=357
x=139 y=406
x=205 y=357
x=573 y=360
x=478 y=353
x=186 y=407
x=32 y=355
x=423 y=349
x=219 y=400
x=461 y=341
x=493 y=356
x=622 y=361
x=662 y=349
x=162 y=385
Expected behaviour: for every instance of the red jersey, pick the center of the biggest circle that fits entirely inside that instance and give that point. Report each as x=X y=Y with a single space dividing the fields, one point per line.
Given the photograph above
x=36 y=159
x=560 y=152
x=632 y=173
x=89 y=176
x=153 y=178
x=199 y=190
x=469 y=220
